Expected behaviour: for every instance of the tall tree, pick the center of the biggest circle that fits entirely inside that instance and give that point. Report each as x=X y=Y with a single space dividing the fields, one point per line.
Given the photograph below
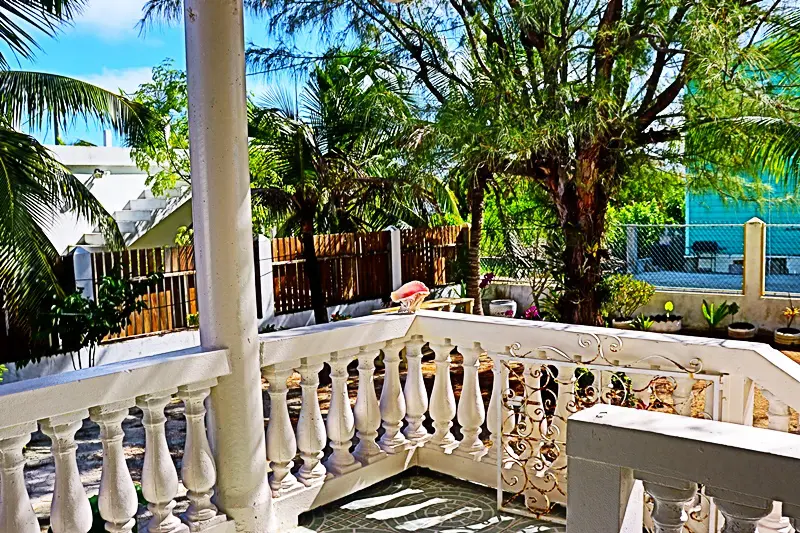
x=334 y=162
x=573 y=94
x=36 y=187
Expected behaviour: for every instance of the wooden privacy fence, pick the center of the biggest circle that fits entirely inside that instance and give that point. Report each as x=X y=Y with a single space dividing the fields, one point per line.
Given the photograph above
x=431 y=255
x=354 y=267
x=170 y=302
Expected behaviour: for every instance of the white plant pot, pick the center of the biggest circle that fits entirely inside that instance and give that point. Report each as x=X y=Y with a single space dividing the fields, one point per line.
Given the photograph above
x=742 y=334
x=667 y=326
x=502 y=308
x=622 y=323
x=787 y=338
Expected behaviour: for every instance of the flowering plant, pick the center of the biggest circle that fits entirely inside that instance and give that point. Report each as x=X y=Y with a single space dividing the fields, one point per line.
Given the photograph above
x=486 y=280
x=790 y=313
x=532 y=313
x=338 y=317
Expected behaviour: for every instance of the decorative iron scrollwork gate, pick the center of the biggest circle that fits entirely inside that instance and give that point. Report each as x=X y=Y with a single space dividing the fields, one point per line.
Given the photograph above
x=540 y=389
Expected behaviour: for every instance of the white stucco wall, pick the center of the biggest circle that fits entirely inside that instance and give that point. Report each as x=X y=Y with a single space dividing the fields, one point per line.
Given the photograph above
x=124 y=183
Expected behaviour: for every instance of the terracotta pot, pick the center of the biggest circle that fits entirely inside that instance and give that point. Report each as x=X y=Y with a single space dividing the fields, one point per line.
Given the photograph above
x=742 y=331
x=622 y=323
x=787 y=336
x=502 y=308
x=667 y=326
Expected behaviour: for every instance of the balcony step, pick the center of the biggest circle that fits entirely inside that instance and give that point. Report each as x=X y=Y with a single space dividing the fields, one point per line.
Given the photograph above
x=146 y=204
x=93 y=239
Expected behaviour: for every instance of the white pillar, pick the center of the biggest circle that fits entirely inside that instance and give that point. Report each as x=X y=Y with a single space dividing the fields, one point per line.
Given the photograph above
x=631 y=249
x=393 y=403
x=396 y=253
x=198 y=471
x=499 y=419
x=70 y=511
x=340 y=423
x=669 y=503
x=367 y=409
x=755 y=260
x=281 y=442
x=84 y=276
x=603 y=498
x=16 y=511
x=224 y=253
x=310 y=426
x=266 y=280
x=471 y=412
x=159 y=477
x=415 y=393
x=443 y=401
x=117 y=499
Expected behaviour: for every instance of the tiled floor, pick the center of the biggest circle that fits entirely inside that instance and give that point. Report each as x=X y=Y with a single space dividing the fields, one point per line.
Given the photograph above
x=420 y=500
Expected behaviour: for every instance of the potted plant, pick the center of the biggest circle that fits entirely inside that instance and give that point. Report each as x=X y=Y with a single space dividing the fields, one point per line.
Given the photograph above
x=642 y=323
x=715 y=314
x=667 y=322
x=741 y=329
x=788 y=336
x=624 y=295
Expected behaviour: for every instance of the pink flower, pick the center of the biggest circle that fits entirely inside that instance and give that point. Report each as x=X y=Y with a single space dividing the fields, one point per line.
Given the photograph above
x=509 y=313
x=486 y=280
x=532 y=313
x=410 y=296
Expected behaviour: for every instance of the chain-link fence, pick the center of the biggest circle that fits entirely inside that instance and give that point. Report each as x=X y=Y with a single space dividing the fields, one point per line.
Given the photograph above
x=516 y=252
x=782 y=259
x=681 y=257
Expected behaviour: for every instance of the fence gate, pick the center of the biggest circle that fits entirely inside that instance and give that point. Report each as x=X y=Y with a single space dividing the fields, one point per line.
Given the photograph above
x=540 y=389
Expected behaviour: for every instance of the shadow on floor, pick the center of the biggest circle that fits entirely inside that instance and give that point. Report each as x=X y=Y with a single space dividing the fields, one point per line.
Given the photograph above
x=421 y=500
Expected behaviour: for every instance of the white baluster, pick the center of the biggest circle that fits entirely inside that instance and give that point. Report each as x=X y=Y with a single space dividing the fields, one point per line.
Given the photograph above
x=159 y=477
x=682 y=396
x=534 y=423
x=367 y=410
x=499 y=418
x=310 y=426
x=70 y=511
x=16 y=511
x=340 y=423
x=393 y=403
x=669 y=505
x=117 y=501
x=414 y=392
x=779 y=415
x=471 y=412
x=281 y=442
x=443 y=401
x=775 y=522
x=740 y=518
x=199 y=471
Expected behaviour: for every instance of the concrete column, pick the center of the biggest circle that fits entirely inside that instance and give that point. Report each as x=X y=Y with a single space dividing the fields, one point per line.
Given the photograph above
x=755 y=260
x=224 y=254
x=396 y=257
x=603 y=498
x=84 y=277
x=265 y=280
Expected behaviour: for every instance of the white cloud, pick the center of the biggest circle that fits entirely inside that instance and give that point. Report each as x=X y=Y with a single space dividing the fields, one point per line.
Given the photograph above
x=127 y=79
x=110 y=19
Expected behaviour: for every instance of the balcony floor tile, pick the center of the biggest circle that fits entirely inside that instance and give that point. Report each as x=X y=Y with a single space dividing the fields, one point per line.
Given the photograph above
x=433 y=503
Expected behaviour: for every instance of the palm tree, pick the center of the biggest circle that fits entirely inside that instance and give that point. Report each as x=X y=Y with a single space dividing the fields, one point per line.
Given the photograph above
x=36 y=188
x=336 y=162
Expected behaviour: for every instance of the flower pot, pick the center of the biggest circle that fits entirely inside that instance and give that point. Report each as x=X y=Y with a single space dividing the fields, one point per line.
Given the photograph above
x=506 y=308
x=661 y=324
x=787 y=336
x=622 y=323
x=742 y=331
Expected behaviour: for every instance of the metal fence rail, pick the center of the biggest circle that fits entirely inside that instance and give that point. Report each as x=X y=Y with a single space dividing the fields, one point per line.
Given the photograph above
x=782 y=266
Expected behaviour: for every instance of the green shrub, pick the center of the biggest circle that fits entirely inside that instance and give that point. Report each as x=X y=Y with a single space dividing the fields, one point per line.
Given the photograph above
x=715 y=314
x=624 y=295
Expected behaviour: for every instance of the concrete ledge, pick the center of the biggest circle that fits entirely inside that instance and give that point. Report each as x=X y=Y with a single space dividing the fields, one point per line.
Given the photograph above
x=755 y=462
x=35 y=399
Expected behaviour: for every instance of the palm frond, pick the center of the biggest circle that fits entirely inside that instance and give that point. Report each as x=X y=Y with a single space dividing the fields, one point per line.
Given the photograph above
x=36 y=96
x=19 y=19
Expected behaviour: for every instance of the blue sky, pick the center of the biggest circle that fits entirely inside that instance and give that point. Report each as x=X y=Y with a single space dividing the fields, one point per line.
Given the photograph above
x=104 y=47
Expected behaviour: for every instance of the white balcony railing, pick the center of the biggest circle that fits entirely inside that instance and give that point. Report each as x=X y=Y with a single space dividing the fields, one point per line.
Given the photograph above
x=742 y=470
x=446 y=427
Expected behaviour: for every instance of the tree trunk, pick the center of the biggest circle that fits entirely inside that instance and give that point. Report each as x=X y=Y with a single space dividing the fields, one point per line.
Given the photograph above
x=314 y=275
x=581 y=204
x=477 y=204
